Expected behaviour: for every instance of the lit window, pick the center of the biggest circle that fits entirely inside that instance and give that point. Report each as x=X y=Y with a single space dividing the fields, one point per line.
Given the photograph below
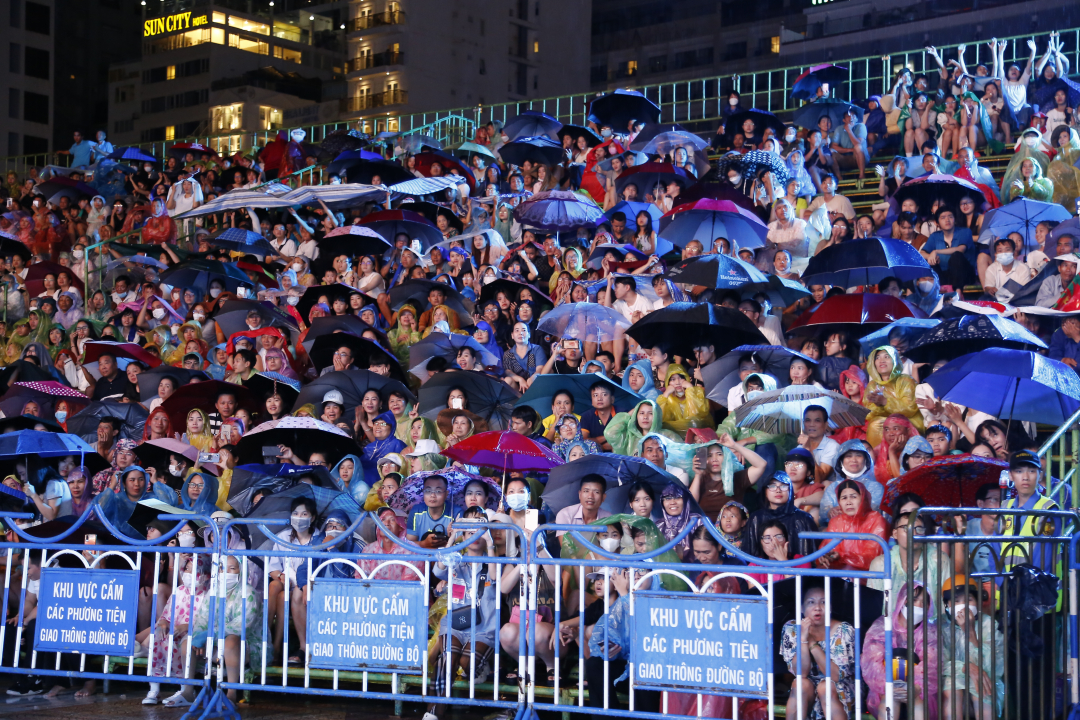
x=776 y=44
x=249 y=44
x=287 y=54
x=536 y=46
x=170 y=72
x=217 y=36
x=269 y=117
x=170 y=132
x=631 y=67
x=219 y=18
x=227 y=117
x=249 y=25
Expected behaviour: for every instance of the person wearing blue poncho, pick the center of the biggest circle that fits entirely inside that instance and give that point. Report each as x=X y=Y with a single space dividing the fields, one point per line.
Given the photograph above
x=346 y=475
x=639 y=379
x=117 y=507
x=384 y=427
x=199 y=493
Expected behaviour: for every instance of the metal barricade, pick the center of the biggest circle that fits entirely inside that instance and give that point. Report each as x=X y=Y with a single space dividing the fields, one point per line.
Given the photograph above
x=729 y=654
x=89 y=609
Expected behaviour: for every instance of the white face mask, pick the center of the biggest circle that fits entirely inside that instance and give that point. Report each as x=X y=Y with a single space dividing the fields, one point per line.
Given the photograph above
x=789 y=136
x=331 y=534
x=199 y=316
x=214 y=292
x=733 y=101
x=77 y=254
x=174 y=470
x=298 y=267
x=518 y=501
x=1004 y=258
x=753 y=394
x=231 y=580
x=488 y=279
x=926 y=286
x=735 y=179
x=293 y=300
x=186 y=541
x=606 y=132
x=1031 y=141
x=158 y=313
x=610 y=544
x=301 y=524
x=185 y=577
x=917 y=614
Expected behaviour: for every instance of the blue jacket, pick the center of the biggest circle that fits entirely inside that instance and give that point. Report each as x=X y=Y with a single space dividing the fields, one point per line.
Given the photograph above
x=1062 y=347
x=961 y=236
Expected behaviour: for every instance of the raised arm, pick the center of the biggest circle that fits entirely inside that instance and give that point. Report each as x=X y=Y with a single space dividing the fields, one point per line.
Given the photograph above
x=998 y=66
x=1026 y=75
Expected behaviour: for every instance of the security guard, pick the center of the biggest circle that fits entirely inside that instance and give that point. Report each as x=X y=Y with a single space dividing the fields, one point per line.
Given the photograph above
x=1025 y=470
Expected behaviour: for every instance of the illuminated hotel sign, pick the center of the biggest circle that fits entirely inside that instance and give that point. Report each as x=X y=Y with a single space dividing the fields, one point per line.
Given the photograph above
x=172 y=23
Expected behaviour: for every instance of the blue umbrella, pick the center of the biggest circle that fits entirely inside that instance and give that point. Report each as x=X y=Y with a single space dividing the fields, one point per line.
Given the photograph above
x=585 y=321
x=808 y=115
x=1020 y=216
x=558 y=211
x=619 y=107
x=881 y=337
x=780 y=292
x=806 y=85
x=720 y=376
x=622 y=252
x=131 y=153
x=969 y=333
x=536 y=149
x=715 y=271
x=1013 y=384
x=545 y=387
x=619 y=471
x=631 y=210
x=531 y=123
x=242 y=240
x=866 y=262
x=43 y=444
x=445 y=346
x=705 y=220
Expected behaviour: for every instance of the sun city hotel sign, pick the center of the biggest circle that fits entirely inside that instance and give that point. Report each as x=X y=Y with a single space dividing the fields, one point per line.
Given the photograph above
x=172 y=23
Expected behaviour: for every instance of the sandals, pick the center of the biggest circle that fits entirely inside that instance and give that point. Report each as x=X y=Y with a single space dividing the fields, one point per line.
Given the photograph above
x=177 y=700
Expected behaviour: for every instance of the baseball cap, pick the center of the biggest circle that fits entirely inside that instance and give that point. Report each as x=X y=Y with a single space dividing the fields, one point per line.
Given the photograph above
x=333 y=396
x=801 y=453
x=1022 y=458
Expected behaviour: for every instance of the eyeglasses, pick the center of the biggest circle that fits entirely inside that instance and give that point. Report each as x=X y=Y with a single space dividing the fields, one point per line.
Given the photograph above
x=195 y=486
x=918 y=529
x=434 y=491
x=772 y=538
x=343 y=354
x=380 y=423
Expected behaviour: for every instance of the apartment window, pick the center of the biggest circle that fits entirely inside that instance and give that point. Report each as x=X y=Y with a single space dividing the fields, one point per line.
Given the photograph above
x=37 y=63
x=775 y=45
x=227 y=117
x=536 y=82
x=219 y=18
x=735 y=51
x=658 y=64
x=33 y=145
x=483 y=67
x=536 y=46
x=249 y=44
x=15 y=16
x=170 y=132
x=13 y=142
x=170 y=72
x=13 y=103
x=249 y=25
x=15 y=58
x=36 y=107
x=38 y=18
x=290 y=55
x=269 y=117
x=121 y=126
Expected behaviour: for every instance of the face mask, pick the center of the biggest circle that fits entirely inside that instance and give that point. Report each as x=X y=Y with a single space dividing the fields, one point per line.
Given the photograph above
x=298 y=267
x=214 y=292
x=77 y=254
x=610 y=544
x=753 y=394
x=61 y=416
x=1004 y=258
x=488 y=279
x=301 y=524
x=331 y=534
x=158 y=313
x=605 y=133
x=199 y=316
x=185 y=577
x=789 y=136
x=518 y=502
x=917 y=614
x=735 y=179
x=231 y=580
x=186 y=541
x=733 y=101
x=174 y=470
x=926 y=286
x=293 y=300
x=1031 y=141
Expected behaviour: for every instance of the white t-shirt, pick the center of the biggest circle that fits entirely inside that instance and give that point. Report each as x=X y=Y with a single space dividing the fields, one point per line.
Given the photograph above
x=1015 y=94
x=826 y=452
x=996 y=277
x=641 y=304
x=378 y=289
x=309 y=249
x=285 y=248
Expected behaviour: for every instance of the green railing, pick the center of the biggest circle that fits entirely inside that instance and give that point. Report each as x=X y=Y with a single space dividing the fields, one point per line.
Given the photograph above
x=696 y=103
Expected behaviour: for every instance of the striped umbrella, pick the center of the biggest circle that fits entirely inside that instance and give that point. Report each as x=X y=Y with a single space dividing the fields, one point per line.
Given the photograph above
x=238 y=200
x=426 y=186
x=329 y=194
x=781 y=411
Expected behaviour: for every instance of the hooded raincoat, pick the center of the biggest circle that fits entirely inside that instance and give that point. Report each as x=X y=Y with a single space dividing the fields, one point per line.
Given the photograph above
x=796 y=521
x=648 y=390
x=1063 y=172
x=899 y=392
x=856 y=554
x=866 y=478
x=378 y=448
x=624 y=434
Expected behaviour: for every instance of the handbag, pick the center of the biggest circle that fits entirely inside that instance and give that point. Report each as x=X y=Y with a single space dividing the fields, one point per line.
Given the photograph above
x=462 y=618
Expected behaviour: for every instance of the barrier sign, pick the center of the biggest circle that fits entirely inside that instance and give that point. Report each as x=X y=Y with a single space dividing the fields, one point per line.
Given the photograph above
x=87 y=611
x=715 y=644
x=367 y=625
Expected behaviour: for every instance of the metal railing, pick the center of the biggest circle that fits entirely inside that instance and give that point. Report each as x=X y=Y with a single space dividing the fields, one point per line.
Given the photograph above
x=366 y=62
x=376 y=20
x=359 y=103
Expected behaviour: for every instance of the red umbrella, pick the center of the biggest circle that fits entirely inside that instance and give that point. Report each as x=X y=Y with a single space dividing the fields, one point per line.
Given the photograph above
x=204 y=395
x=506 y=450
x=868 y=310
x=35 y=277
x=949 y=481
x=96 y=348
x=425 y=160
x=179 y=150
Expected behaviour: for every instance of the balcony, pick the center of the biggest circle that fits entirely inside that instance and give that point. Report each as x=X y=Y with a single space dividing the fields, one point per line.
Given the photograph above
x=377 y=20
x=362 y=103
x=383 y=59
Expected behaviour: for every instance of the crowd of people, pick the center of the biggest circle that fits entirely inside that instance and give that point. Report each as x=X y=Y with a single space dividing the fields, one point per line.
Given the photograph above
x=185 y=357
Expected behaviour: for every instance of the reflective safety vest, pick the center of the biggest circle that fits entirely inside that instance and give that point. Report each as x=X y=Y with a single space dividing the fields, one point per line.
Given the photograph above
x=1017 y=553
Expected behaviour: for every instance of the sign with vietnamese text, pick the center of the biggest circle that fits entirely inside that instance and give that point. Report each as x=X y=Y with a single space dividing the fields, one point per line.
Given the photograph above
x=172 y=23
x=367 y=625
x=87 y=611
x=709 y=643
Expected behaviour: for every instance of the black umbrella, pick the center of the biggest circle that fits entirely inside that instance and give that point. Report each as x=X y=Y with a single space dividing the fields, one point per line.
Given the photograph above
x=29 y=422
x=149 y=379
x=363 y=171
x=10 y=248
x=333 y=292
x=531 y=123
x=971 y=333
x=247 y=480
x=352 y=384
x=340 y=323
x=650 y=175
x=203 y=396
x=806 y=85
x=749 y=164
x=432 y=211
x=538 y=150
x=418 y=290
x=809 y=115
x=364 y=353
x=761 y=118
x=513 y=289
x=231 y=317
x=488 y=396
x=85 y=422
x=303 y=435
x=866 y=261
x=949 y=189
x=279 y=506
x=576 y=131
x=198 y=273
x=619 y=471
x=680 y=327
x=264 y=384
x=617 y=108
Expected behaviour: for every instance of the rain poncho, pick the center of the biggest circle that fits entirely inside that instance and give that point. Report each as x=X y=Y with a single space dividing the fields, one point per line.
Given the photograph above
x=385 y=546
x=378 y=448
x=623 y=433
x=860 y=378
x=1063 y=172
x=562 y=447
x=243 y=618
x=671 y=525
x=928 y=302
x=356 y=485
x=959 y=653
x=899 y=396
x=691 y=410
x=648 y=390
x=206 y=502
x=856 y=554
x=866 y=477
x=491 y=345
x=872 y=661
x=204 y=440
x=1013 y=172
x=429 y=431
x=794 y=520
x=118 y=506
x=653 y=539
x=882 y=472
